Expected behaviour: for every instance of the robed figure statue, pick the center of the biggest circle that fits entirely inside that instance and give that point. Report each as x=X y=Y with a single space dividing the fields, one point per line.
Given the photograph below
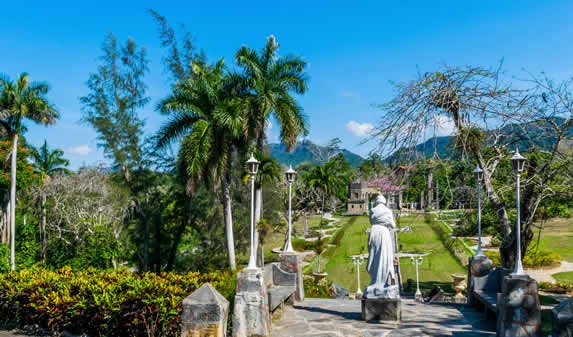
x=381 y=252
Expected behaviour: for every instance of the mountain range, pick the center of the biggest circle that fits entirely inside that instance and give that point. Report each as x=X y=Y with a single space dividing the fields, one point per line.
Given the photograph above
x=307 y=151
x=526 y=136
x=536 y=135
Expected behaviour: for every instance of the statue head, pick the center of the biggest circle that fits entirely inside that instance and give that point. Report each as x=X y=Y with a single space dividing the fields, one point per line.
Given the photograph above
x=380 y=200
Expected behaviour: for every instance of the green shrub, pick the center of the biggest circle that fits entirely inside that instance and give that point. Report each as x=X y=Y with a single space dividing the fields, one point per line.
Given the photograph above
x=313 y=289
x=4 y=258
x=558 y=288
x=103 y=303
x=540 y=258
x=531 y=259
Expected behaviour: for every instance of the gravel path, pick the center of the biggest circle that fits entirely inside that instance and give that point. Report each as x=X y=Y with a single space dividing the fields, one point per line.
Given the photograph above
x=545 y=274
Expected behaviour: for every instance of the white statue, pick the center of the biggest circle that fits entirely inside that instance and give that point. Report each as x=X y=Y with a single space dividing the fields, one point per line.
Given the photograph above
x=381 y=253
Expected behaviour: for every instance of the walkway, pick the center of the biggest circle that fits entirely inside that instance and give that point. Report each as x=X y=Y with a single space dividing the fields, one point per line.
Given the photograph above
x=545 y=274
x=330 y=317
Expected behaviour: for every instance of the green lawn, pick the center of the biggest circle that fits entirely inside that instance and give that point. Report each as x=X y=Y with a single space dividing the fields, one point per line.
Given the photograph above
x=435 y=269
x=565 y=277
x=557 y=237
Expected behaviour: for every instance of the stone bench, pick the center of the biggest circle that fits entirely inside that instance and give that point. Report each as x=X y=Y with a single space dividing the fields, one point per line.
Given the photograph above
x=485 y=289
x=281 y=286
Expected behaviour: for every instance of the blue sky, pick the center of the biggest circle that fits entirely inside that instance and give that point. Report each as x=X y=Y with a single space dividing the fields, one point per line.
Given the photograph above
x=355 y=49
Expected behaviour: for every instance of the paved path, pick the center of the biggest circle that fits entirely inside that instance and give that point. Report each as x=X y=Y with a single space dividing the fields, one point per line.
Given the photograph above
x=545 y=274
x=330 y=317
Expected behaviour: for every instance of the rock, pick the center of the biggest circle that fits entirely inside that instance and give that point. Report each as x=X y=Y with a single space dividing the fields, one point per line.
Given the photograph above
x=563 y=319
x=205 y=313
x=339 y=292
x=518 y=308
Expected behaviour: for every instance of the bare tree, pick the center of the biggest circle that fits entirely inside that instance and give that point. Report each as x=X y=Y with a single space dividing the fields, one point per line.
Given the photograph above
x=490 y=119
x=79 y=202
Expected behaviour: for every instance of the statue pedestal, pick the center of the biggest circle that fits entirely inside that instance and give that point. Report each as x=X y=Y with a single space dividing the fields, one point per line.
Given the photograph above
x=381 y=309
x=292 y=263
x=251 y=315
x=518 y=309
x=478 y=266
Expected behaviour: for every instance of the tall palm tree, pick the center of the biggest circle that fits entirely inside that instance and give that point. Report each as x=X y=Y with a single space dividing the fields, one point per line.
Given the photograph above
x=204 y=113
x=46 y=163
x=21 y=100
x=270 y=81
x=329 y=179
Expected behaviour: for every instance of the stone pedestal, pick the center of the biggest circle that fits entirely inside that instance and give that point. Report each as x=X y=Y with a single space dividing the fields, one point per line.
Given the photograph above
x=205 y=313
x=563 y=319
x=292 y=263
x=478 y=266
x=518 y=309
x=381 y=309
x=251 y=315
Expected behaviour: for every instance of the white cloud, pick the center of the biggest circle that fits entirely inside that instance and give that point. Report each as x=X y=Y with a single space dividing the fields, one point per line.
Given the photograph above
x=82 y=150
x=360 y=129
x=444 y=126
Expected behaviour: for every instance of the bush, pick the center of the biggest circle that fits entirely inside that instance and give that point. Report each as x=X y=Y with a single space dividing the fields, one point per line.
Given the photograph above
x=4 y=258
x=103 y=303
x=531 y=259
x=313 y=289
x=540 y=258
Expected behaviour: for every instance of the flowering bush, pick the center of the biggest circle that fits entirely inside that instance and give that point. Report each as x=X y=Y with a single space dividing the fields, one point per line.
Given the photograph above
x=103 y=303
x=314 y=289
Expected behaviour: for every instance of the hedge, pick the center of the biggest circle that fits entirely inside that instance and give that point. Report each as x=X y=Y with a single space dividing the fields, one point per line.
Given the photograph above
x=100 y=303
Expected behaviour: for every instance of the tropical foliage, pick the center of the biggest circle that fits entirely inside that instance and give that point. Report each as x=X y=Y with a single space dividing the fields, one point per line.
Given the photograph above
x=101 y=303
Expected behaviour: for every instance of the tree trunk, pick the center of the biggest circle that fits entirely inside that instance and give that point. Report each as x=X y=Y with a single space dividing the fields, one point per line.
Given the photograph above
x=158 y=236
x=13 y=204
x=43 y=245
x=258 y=202
x=228 y=215
x=507 y=247
x=259 y=187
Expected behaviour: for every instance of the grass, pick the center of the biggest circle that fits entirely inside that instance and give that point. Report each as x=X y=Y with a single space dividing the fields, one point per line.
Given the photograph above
x=436 y=268
x=557 y=237
x=564 y=277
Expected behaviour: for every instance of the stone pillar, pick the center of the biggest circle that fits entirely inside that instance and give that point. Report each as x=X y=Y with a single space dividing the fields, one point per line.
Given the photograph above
x=205 y=313
x=478 y=266
x=518 y=309
x=292 y=263
x=251 y=315
x=563 y=319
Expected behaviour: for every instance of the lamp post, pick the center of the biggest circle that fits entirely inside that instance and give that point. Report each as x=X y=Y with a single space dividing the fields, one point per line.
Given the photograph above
x=358 y=260
x=517 y=164
x=417 y=261
x=290 y=174
x=478 y=172
x=252 y=168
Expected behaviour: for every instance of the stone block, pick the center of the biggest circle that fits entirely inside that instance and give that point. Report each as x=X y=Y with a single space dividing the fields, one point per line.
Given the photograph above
x=518 y=308
x=381 y=309
x=292 y=263
x=251 y=317
x=563 y=319
x=478 y=266
x=205 y=313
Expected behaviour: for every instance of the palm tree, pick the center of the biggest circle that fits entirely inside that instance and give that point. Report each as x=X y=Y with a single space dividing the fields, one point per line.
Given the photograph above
x=270 y=79
x=21 y=100
x=46 y=163
x=205 y=115
x=329 y=179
